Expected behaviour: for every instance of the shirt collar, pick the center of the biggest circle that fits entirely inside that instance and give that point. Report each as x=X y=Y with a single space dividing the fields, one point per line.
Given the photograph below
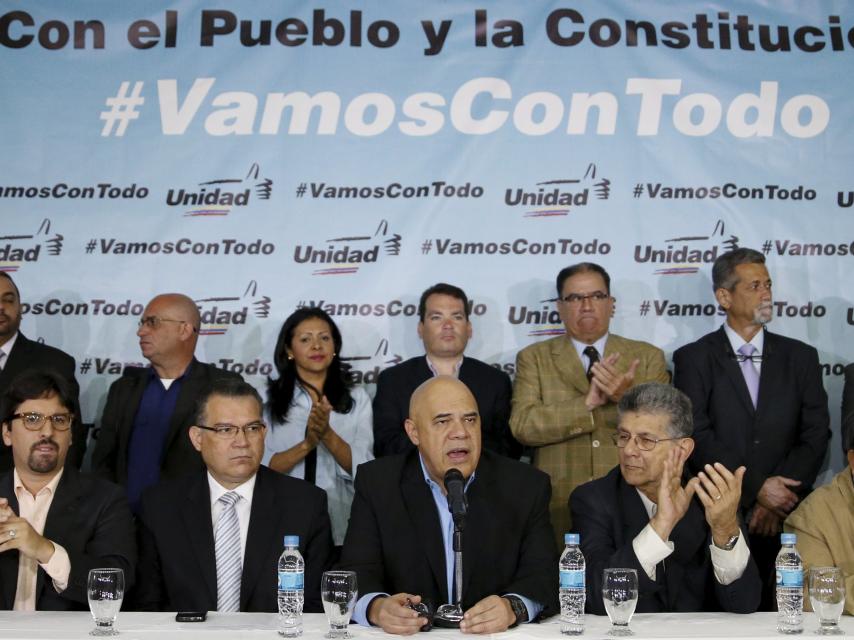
x=436 y=373
x=7 y=348
x=736 y=341
x=244 y=490
x=599 y=345
x=432 y=483
x=49 y=488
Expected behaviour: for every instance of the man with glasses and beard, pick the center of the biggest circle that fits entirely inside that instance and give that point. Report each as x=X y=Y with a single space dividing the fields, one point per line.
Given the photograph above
x=758 y=401
x=55 y=523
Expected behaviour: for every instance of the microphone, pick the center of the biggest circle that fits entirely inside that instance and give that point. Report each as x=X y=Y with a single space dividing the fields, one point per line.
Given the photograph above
x=457 y=503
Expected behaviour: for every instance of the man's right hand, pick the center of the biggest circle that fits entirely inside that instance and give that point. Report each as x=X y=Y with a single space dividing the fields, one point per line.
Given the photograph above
x=673 y=498
x=392 y=615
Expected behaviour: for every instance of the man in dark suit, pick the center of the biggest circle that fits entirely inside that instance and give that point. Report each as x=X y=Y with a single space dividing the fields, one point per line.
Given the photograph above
x=689 y=555
x=19 y=354
x=143 y=430
x=55 y=523
x=185 y=549
x=445 y=329
x=399 y=538
x=848 y=406
x=758 y=401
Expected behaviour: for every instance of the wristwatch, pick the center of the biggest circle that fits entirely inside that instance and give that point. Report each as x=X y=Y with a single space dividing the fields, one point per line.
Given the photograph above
x=729 y=545
x=519 y=609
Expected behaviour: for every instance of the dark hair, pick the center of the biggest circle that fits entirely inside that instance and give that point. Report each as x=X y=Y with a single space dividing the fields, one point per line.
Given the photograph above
x=443 y=288
x=280 y=391
x=660 y=399
x=227 y=388
x=582 y=267
x=33 y=385
x=3 y=274
x=723 y=270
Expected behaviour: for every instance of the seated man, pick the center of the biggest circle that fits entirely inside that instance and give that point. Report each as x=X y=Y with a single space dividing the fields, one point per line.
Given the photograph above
x=194 y=530
x=640 y=515
x=400 y=535
x=55 y=523
x=824 y=522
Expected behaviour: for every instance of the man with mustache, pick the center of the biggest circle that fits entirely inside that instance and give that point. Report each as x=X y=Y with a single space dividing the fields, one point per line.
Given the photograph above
x=55 y=523
x=758 y=401
x=18 y=354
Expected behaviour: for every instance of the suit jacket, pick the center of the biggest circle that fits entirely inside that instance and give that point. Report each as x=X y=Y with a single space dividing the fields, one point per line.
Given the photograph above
x=91 y=519
x=847 y=405
x=394 y=542
x=176 y=543
x=574 y=445
x=28 y=355
x=609 y=514
x=786 y=434
x=491 y=389
x=110 y=458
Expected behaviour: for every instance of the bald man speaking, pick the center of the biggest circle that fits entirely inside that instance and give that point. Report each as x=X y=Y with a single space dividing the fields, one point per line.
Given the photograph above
x=143 y=434
x=399 y=540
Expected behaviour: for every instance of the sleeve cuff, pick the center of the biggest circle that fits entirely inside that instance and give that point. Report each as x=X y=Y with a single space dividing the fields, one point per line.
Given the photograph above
x=533 y=608
x=58 y=567
x=730 y=565
x=650 y=550
x=360 y=613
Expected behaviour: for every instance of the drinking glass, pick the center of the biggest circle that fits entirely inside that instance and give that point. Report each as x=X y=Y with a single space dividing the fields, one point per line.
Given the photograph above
x=105 y=590
x=827 y=597
x=339 y=592
x=620 y=594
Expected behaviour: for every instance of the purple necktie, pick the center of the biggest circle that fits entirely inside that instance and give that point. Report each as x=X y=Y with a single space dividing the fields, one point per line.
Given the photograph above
x=751 y=377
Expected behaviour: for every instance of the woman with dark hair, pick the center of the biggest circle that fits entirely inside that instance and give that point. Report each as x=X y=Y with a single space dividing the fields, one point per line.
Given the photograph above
x=320 y=428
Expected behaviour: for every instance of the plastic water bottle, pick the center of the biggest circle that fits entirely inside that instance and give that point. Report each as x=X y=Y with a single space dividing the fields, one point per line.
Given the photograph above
x=790 y=586
x=572 y=593
x=291 y=585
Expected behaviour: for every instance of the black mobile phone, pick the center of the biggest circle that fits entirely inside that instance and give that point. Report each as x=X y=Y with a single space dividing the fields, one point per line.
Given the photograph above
x=191 y=616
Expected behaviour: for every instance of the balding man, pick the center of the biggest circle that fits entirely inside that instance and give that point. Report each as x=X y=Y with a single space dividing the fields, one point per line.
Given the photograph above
x=400 y=536
x=143 y=433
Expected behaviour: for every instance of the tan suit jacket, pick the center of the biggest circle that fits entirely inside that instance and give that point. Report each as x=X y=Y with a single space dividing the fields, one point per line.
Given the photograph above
x=824 y=523
x=574 y=445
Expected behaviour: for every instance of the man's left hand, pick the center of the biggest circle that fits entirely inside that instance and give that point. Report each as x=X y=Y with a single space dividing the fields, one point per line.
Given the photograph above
x=493 y=614
x=608 y=378
x=25 y=539
x=720 y=492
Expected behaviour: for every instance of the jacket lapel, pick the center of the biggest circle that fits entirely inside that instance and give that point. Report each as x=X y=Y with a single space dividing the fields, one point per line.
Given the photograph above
x=262 y=532
x=61 y=515
x=191 y=388
x=128 y=415
x=771 y=375
x=9 y=559
x=480 y=520
x=422 y=511
x=566 y=361
x=199 y=529
x=727 y=362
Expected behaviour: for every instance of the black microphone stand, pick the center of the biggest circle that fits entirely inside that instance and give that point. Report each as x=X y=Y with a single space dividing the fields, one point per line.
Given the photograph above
x=449 y=616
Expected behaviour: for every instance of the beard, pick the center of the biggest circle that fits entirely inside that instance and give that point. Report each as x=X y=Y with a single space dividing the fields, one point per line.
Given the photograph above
x=40 y=462
x=763 y=314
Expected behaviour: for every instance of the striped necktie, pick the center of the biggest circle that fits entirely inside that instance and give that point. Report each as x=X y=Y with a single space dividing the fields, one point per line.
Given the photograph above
x=227 y=549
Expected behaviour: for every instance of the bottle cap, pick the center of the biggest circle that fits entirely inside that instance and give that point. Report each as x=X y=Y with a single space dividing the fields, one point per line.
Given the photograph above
x=571 y=538
x=788 y=538
x=291 y=541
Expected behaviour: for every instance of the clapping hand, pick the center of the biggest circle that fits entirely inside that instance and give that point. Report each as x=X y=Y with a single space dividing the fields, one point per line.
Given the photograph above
x=673 y=498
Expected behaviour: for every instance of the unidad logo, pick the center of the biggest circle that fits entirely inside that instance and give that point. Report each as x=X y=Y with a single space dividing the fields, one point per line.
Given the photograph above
x=220 y=313
x=557 y=197
x=684 y=255
x=218 y=197
x=346 y=254
x=20 y=248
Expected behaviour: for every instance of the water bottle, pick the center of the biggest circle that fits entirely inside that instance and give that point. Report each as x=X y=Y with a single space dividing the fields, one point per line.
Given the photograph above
x=291 y=585
x=572 y=593
x=790 y=586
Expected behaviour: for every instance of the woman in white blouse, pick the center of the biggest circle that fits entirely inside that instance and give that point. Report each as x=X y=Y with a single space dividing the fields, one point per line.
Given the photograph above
x=320 y=428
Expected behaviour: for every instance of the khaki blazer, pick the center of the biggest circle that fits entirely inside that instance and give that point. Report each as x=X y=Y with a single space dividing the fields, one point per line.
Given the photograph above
x=573 y=445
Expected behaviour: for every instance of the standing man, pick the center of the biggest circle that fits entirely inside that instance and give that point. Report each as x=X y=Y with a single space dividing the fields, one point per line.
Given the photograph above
x=445 y=329
x=400 y=537
x=211 y=541
x=19 y=354
x=567 y=388
x=758 y=402
x=55 y=523
x=143 y=433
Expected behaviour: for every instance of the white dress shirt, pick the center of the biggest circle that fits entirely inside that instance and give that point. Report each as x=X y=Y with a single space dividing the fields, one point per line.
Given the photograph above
x=242 y=506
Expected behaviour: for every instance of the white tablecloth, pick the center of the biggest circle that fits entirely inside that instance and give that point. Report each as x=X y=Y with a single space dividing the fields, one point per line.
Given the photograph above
x=162 y=626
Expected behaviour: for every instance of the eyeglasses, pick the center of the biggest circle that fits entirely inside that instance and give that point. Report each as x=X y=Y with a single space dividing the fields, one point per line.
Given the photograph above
x=34 y=421
x=756 y=285
x=644 y=443
x=580 y=298
x=229 y=431
x=153 y=322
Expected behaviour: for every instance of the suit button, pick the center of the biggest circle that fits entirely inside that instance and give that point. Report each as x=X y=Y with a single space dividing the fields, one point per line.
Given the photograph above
x=595 y=443
x=756 y=442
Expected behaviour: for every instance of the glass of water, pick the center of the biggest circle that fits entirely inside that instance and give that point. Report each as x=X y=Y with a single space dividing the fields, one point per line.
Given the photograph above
x=827 y=597
x=339 y=592
x=105 y=590
x=620 y=594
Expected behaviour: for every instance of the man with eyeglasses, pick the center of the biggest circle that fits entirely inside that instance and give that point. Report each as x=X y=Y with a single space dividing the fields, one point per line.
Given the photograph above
x=758 y=401
x=143 y=429
x=19 y=354
x=55 y=523
x=211 y=541
x=684 y=541
x=567 y=388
